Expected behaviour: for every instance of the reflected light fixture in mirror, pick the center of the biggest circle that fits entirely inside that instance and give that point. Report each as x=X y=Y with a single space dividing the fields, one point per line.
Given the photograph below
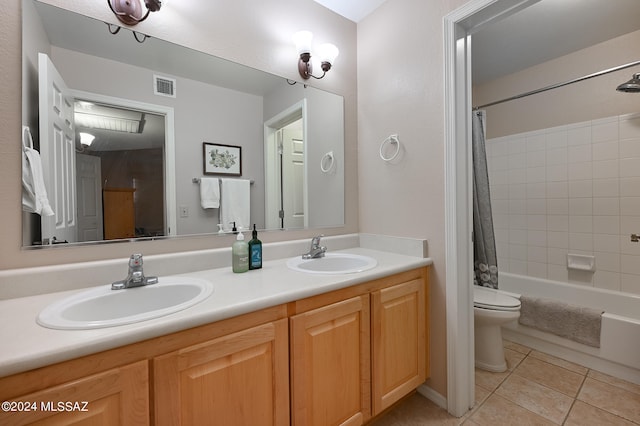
x=86 y=139
x=130 y=11
x=327 y=53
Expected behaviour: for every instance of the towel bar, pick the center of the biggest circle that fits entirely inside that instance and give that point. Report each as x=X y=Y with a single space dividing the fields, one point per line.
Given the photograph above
x=197 y=180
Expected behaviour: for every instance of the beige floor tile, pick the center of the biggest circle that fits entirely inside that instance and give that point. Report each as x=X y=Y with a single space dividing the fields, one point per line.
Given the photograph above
x=559 y=362
x=481 y=395
x=582 y=414
x=550 y=375
x=513 y=358
x=539 y=399
x=623 y=384
x=488 y=380
x=516 y=347
x=417 y=411
x=537 y=389
x=611 y=398
x=498 y=411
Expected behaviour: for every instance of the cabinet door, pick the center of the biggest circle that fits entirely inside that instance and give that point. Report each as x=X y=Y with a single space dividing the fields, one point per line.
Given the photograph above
x=239 y=379
x=398 y=342
x=115 y=397
x=330 y=366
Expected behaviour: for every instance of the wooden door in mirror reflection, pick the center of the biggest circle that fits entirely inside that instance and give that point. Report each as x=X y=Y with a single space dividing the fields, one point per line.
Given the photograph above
x=119 y=213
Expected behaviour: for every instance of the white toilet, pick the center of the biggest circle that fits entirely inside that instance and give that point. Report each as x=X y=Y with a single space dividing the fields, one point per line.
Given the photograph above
x=491 y=309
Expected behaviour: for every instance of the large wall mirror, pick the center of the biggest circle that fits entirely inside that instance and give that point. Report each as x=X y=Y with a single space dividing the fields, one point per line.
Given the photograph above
x=133 y=135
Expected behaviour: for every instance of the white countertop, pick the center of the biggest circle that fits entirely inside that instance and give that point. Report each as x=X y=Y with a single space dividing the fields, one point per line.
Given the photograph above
x=27 y=345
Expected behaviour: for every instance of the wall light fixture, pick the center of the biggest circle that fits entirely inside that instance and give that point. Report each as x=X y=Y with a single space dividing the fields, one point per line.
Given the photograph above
x=86 y=139
x=327 y=53
x=130 y=12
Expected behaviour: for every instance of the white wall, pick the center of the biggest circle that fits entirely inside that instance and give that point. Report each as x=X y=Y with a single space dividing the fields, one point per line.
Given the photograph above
x=570 y=169
x=203 y=113
x=569 y=189
x=400 y=90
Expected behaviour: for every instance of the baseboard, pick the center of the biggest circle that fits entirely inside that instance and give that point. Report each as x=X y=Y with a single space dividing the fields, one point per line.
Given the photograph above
x=433 y=396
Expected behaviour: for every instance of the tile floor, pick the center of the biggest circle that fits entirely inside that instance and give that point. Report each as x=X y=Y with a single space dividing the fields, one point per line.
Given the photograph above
x=537 y=389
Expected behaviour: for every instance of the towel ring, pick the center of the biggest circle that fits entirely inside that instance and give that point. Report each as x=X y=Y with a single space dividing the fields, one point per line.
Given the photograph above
x=393 y=140
x=329 y=156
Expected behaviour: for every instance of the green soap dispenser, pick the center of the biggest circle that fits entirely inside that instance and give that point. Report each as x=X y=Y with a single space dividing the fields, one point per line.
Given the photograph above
x=255 y=250
x=240 y=254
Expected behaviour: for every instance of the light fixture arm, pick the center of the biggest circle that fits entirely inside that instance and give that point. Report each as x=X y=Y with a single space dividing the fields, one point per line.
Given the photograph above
x=113 y=29
x=138 y=39
x=306 y=69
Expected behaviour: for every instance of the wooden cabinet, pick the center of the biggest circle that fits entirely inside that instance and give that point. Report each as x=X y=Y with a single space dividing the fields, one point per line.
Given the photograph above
x=238 y=379
x=119 y=396
x=338 y=358
x=119 y=213
x=330 y=364
x=357 y=351
x=398 y=342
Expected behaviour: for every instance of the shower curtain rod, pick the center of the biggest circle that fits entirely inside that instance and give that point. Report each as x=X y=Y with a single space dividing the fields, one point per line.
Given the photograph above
x=555 y=86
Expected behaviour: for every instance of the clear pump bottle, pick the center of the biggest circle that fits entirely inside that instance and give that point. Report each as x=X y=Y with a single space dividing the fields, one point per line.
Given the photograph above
x=240 y=254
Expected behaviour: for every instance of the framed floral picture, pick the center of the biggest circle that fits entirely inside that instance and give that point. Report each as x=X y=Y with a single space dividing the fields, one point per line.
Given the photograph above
x=222 y=159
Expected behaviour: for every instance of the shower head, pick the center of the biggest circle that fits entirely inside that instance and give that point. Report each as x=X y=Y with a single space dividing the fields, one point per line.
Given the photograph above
x=631 y=86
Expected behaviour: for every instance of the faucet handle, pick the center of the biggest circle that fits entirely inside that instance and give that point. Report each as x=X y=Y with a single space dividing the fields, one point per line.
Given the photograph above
x=315 y=241
x=135 y=260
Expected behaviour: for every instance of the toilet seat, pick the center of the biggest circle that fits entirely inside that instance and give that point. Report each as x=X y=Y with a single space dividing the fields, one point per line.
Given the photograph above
x=485 y=298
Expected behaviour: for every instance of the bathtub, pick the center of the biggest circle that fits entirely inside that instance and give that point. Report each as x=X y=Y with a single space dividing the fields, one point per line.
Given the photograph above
x=619 y=352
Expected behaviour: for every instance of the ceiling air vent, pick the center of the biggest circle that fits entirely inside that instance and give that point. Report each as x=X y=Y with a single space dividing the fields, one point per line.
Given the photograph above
x=164 y=86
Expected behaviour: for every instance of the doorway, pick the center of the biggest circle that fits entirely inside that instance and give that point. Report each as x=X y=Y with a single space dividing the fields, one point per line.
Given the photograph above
x=459 y=25
x=120 y=172
x=285 y=171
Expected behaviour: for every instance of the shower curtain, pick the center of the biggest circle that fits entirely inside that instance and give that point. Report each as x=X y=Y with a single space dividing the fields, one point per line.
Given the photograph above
x=485 y=261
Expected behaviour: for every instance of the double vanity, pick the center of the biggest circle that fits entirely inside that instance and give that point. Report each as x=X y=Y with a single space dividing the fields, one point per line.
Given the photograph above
x=335 y=340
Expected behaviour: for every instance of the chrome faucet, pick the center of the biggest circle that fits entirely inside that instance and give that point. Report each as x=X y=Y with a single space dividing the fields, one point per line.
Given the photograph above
x=135 y=276
x=316 y=250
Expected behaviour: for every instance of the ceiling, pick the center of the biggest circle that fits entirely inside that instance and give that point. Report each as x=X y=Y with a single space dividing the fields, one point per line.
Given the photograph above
x=547 y=30
x=354 y=10
x=544 y=31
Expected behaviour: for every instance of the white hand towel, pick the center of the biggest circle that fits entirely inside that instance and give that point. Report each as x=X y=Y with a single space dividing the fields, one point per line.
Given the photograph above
x=235 y=203
x=209 y=193
x=34 y=192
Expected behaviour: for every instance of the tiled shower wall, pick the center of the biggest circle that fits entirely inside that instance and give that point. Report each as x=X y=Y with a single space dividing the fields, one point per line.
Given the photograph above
x=569 y=189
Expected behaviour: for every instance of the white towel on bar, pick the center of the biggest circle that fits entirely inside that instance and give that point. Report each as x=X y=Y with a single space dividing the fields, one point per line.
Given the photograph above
x=209 y=193
x=34 y=193
x=235 y=203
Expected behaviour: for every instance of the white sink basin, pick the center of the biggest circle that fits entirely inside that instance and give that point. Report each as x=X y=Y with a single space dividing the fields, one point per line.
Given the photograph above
x=102 y=307
x=333 y=263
